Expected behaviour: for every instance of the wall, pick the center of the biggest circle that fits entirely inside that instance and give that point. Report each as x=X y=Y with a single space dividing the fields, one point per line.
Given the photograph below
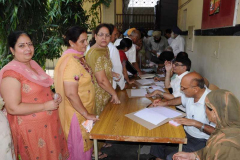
x=194 y=13
x=87 y=6
x=119 y=6
x=220 y=69
x=108 y=13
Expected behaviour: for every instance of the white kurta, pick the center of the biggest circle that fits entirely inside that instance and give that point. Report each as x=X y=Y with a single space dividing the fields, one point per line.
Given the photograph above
x=6 y=143
x=131 y=53
x=178 y=45
x=117 y=65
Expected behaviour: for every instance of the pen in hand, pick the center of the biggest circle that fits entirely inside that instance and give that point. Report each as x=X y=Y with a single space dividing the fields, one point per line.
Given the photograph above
x=149 y=105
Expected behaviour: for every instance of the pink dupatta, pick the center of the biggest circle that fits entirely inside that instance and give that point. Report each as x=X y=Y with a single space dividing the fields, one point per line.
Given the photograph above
x=40 y=78
x=71 y=51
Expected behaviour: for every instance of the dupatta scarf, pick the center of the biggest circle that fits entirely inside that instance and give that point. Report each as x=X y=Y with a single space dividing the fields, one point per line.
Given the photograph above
x=224 y=143
x=40 y=78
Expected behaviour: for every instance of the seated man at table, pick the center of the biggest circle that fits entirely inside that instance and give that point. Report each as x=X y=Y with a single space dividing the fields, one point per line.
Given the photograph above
x=155 y=46
x=196 y=125
x=181 y=67
x=180 y=55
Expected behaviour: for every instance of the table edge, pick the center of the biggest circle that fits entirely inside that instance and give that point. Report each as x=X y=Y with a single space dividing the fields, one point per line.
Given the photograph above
x=139 y=139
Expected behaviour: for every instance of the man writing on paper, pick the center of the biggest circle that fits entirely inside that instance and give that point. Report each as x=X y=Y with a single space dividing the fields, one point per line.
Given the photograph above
x=155 y=46
x=181 y=67
x=196 y=125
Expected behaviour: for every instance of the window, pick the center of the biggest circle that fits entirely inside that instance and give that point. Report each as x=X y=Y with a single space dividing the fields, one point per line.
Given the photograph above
x=142 y=3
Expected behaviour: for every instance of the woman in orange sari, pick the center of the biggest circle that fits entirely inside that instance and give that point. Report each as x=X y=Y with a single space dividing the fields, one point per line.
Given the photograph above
x=32 y=112
x=73 y=79
x=222 y=108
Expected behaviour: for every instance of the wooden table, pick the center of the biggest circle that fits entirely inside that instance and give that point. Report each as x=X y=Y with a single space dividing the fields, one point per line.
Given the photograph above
x=114 y=125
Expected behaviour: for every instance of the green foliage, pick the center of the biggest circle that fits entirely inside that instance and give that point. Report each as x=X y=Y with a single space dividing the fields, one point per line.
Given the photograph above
x=95 y=10
x=45 y=21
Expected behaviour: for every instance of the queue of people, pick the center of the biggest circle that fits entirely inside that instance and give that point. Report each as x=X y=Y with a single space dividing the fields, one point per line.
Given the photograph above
x=41 y=124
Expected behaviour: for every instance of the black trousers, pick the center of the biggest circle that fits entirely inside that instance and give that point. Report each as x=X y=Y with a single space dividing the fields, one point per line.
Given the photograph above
x=166 y=151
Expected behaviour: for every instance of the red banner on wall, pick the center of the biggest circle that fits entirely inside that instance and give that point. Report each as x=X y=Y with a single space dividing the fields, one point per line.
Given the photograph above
x=218 y=13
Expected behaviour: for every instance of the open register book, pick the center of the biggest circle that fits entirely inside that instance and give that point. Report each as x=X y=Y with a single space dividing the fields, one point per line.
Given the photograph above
x=154 y=117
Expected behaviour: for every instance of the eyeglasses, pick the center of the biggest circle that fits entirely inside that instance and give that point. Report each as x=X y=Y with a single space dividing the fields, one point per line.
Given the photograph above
x=177 y=64
x=183 y=88
x=102 y=35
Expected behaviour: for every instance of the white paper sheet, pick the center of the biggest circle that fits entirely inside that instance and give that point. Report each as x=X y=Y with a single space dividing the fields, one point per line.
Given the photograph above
x=152 y=80
x=158 y=88
x=144 y=81
x=152 y=90
x=150 y=116
x=169 y=113
x=161 y=75
x=138 y=92
x=146 y=76
x=161 y=83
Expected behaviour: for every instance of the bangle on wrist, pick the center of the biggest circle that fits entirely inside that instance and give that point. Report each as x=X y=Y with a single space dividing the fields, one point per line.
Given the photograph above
x=202 y=128
x=167 y=103
x=84 y=114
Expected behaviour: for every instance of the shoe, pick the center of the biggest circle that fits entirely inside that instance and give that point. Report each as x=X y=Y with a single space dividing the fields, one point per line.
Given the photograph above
x=107 y=145
x=101 y=155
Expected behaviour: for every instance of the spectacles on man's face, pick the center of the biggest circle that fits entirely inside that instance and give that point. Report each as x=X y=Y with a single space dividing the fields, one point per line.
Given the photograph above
x=184 y=88
x=178 y=64
x=102 y=35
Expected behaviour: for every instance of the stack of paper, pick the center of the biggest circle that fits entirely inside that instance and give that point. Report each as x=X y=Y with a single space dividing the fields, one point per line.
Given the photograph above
x=161 y=75
x=154 y=88
x=157 y=115
x=144 y=81
x=161 y=83
x=148 y=115
x=144 y=76
x=138 y=92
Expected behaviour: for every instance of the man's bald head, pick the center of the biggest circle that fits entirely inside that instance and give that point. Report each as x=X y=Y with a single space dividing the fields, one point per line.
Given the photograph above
x=194 y=79
x=192 y=83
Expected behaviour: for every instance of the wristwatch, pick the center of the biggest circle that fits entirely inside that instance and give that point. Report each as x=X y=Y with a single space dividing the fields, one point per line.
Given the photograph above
x=196 y=157
x=162 y=94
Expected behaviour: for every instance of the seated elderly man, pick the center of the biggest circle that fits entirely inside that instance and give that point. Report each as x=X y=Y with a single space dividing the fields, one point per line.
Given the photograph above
x=155 y=46
x=196 y=125
x=181 y=67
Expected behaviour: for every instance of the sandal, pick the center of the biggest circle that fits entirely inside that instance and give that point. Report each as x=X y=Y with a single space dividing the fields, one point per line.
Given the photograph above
x=107 y=145
x=101 y=155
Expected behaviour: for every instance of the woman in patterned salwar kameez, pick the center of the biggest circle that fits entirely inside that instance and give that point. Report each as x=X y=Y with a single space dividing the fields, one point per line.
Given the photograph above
x=31 y=110
x=98 y=59
x=73 y=79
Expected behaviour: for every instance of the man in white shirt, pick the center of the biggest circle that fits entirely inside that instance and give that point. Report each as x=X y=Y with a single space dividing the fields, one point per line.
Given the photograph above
x=115 y=58
x=197 y=126
x=134 y=35
x=180 y=67
x=178 y=42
